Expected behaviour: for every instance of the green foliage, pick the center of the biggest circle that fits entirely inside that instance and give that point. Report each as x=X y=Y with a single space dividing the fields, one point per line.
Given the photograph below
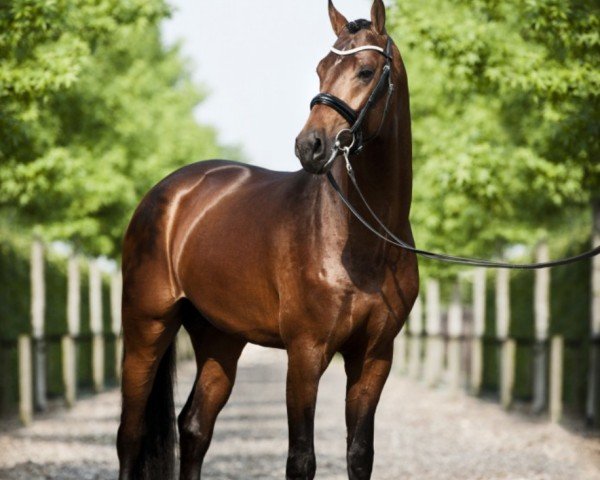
x=15 y=290
x=522 y=325
x=505 y=102
x=570 y=302
x=505 y=99
x=93 y=111
x=56 y=295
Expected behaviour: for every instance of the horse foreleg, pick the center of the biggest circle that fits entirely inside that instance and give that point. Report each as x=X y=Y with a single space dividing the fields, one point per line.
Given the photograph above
x=217 y=355
x=367 y=373
x=306 y=364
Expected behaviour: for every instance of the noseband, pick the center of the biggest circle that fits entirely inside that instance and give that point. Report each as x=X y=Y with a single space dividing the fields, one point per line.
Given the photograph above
x=353 y=117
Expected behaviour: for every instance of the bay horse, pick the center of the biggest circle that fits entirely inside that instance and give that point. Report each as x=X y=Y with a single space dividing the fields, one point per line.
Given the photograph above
x=236 y=254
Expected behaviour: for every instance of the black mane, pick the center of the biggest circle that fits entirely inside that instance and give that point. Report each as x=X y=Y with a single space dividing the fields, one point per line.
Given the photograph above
x=358 y=25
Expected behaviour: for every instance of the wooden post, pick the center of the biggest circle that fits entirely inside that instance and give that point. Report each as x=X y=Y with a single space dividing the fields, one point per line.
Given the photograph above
x=593 y=397
x=556 y=378
x=25 y=380
x=38 y=313
x=455 y=332
x=96 y=325
x=435 y=345
x=542 y=323
x=69 y=345
x=116 y=289
x=508 y=346
x=73 y=296
x=69 y=371
x=401 y=351
x=478 y=330
x=507 y=373
x=415 y=328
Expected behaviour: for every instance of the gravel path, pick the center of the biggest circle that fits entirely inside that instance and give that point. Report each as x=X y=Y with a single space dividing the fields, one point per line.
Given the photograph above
x=421 y=434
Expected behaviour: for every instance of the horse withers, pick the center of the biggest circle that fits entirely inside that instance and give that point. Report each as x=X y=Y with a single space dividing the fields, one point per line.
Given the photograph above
x=238 y=254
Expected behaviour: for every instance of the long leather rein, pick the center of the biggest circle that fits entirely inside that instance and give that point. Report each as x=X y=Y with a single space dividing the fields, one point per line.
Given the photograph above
x=356 y=120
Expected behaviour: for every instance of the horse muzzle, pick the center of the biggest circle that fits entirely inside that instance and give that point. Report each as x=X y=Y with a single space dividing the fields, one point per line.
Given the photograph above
x=313 y=150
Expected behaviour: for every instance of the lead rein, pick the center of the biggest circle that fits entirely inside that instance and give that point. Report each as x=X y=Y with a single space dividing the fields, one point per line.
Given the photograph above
x=392 y=239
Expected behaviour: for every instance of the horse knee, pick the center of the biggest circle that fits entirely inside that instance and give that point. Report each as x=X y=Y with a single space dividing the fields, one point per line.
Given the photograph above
x=301 y=466
x=360 y=461
x=191 y=436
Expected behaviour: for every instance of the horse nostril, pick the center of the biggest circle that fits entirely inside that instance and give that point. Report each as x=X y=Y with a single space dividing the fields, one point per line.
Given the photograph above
x=310 y=147
x=317 y=145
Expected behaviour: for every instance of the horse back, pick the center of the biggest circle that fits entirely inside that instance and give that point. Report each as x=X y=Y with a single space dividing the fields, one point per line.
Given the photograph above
x=210 y=232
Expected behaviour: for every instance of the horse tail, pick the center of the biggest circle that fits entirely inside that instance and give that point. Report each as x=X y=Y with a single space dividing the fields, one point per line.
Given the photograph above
x=156 y=460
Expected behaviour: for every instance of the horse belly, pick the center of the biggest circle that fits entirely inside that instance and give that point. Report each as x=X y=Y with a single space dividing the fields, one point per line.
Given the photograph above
x=224 y=269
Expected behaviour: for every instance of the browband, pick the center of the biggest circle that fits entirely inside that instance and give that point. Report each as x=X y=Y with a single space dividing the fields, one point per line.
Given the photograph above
x=359 y=49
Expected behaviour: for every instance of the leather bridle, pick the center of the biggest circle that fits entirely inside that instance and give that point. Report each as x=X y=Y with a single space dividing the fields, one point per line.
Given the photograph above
x=356 y=118
x=356 y=145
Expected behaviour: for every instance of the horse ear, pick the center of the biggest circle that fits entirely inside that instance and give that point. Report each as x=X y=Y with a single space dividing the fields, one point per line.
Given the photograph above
x=338 y=21
x=378 y=16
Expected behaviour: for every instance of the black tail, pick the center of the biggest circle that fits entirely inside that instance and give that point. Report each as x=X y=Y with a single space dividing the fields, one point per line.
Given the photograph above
x=156 y=460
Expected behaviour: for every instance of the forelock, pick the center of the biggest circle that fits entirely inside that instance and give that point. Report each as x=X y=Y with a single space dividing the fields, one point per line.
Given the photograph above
x=358 y=25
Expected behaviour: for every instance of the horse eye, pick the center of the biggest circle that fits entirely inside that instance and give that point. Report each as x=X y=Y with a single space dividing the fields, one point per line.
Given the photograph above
x=365 y=74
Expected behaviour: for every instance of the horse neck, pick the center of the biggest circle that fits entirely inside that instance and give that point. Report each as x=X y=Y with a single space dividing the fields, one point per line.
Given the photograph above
x=384 y=173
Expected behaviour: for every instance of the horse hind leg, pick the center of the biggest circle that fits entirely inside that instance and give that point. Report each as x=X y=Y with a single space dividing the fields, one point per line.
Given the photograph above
x=217 y=355
x=146 y=436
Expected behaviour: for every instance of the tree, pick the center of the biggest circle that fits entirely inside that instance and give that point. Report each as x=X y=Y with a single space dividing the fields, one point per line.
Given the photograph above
x=505 y=100
x=93 y=111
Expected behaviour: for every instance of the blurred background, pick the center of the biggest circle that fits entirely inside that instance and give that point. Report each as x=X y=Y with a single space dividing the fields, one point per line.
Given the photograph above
x=101 y=99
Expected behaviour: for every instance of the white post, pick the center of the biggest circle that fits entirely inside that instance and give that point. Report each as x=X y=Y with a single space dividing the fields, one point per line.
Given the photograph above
x=435 y=344
x=69 y=346
x=96 y=325
x=116 y=291
x=478 y=330
x=556 y=378
x=593 y=397
x=507 y=373
x=69 y=371
x=415 y=328
x=502 y=304
x=73 y=296
x=455 y=332
x=38 y=313
x=508 y=349
x=542 y=324
x=38 y=289
x=25 y=380
x=400 y=351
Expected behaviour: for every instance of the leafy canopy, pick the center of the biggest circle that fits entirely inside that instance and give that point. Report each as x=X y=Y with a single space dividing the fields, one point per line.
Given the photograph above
x=505 y=104
x=93 y=111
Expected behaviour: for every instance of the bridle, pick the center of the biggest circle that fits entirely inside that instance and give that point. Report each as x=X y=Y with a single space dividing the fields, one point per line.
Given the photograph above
x=357 y=144
x=354 y=118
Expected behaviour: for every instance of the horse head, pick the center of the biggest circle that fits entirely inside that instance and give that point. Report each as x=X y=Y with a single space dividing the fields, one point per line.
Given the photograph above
x=356 y=84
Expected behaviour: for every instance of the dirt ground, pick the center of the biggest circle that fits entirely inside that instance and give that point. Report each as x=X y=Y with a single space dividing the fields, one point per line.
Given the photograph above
x=421 y=434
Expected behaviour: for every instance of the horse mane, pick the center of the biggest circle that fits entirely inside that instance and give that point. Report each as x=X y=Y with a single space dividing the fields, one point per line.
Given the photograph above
x=358 y=25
